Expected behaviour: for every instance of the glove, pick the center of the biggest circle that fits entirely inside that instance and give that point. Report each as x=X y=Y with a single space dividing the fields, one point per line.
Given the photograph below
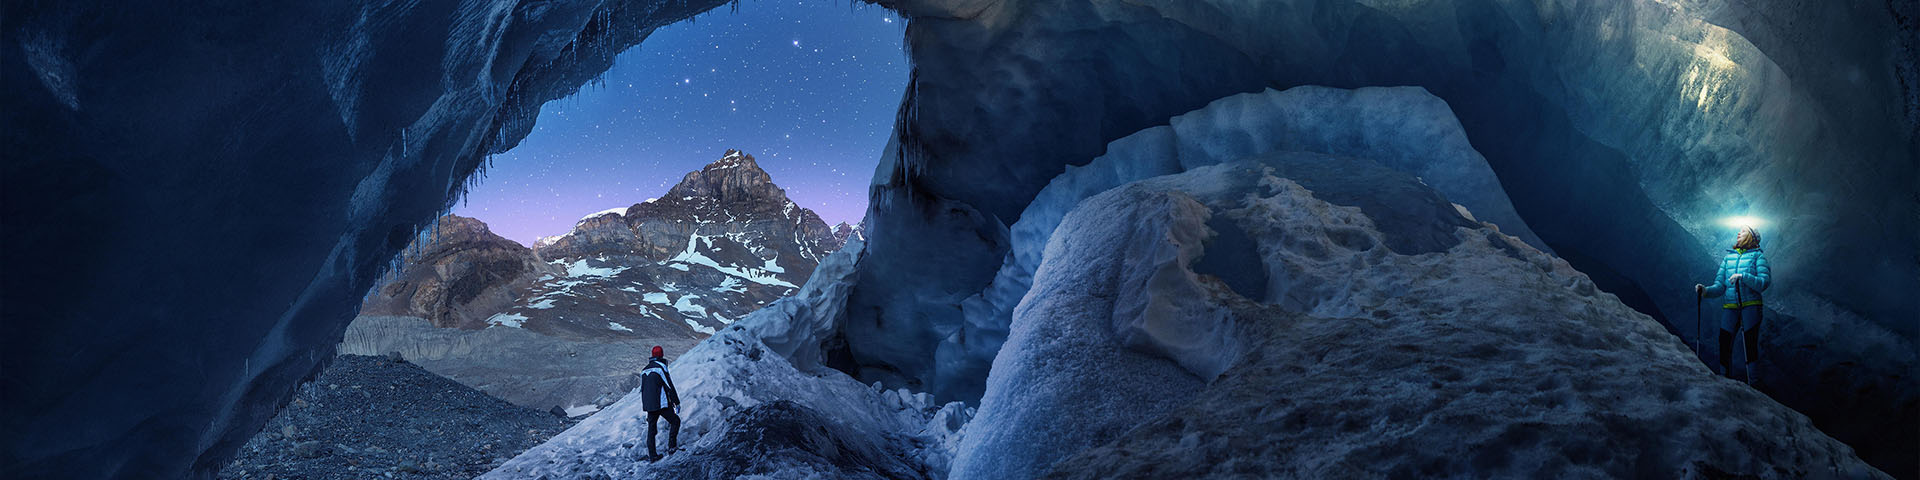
x=1699 y=290
x=1736 y=278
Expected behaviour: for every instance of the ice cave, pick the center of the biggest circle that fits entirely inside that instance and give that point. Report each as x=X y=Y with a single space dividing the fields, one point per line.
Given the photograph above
x=1109 y=239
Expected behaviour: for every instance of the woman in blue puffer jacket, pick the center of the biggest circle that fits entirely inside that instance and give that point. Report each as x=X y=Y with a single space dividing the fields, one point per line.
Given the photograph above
x=1743 y=275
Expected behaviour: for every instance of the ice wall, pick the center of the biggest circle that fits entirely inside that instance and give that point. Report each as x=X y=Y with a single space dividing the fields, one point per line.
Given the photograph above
x=1621 y=130
x=1485 y=359
x=197 y=194
x=1407 y=128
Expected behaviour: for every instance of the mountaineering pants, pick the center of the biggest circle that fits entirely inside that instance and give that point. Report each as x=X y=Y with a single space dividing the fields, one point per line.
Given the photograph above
x=1745 y=320
x=673 y=429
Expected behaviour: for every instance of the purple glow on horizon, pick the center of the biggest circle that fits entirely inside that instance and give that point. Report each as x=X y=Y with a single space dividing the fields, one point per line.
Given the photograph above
x=808 y=88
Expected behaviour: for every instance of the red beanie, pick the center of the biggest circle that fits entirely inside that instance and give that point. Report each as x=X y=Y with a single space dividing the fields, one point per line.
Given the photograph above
x=657 y=353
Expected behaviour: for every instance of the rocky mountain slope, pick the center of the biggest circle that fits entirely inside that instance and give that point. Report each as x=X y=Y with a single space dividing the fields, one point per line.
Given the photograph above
x=721 y=243
x=459 y=275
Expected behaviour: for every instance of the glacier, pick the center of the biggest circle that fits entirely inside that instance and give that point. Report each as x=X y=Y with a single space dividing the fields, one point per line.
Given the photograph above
x=170 y=145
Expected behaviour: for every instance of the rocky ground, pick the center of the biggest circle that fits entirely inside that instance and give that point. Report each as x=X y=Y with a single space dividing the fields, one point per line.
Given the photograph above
x=372 y=417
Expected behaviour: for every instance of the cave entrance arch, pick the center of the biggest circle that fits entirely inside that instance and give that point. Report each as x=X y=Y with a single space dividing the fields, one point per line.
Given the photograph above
x=809 y=88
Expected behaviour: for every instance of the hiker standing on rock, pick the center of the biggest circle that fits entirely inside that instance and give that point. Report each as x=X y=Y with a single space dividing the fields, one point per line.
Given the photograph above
x=660 y=399
x=1743 y=275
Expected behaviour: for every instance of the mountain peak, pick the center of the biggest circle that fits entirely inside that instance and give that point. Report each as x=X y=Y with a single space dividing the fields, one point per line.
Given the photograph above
x=735 y=176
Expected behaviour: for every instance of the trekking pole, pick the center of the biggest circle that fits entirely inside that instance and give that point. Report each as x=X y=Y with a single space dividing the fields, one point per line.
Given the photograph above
x=1696 y=325
x=1739 y=298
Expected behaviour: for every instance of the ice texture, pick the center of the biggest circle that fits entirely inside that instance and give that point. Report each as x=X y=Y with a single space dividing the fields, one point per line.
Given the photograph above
x=238 y=176
x=1406 y=125
x=1487 y=359
x=1621 y=130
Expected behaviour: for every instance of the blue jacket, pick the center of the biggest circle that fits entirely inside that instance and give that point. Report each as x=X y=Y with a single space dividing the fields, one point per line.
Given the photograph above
x=1751 y=264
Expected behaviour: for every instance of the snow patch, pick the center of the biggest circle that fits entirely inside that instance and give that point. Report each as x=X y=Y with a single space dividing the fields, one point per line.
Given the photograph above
x=513 y=320
x=580 y=268
x=696 y=326
x=618 y=211
x=692 y=256
x=731 y=285
x=579 y=410
x=686 y=306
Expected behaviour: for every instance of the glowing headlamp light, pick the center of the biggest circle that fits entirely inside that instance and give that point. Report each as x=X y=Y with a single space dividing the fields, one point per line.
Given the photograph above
x=1743 y=221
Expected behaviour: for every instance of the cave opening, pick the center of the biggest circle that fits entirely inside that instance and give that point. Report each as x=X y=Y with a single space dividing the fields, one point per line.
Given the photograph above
x=808 y=88
x=705 y=174
x=701 y=176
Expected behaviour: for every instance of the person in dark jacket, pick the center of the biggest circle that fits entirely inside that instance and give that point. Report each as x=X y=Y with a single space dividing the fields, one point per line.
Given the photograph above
x=1743 y=275
x=660 y=400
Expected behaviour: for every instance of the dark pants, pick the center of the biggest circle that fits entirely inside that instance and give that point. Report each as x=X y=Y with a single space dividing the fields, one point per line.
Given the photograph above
x=673 y=429
x=1747 y=321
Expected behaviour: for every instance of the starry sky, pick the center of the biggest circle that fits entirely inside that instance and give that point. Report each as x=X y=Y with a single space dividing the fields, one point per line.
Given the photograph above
x=808 y=87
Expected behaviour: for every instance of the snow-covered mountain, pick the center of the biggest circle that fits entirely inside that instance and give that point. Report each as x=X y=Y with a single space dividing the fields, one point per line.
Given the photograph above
x=721 y=243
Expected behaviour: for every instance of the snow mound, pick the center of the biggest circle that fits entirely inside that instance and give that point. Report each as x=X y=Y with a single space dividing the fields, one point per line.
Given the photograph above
x=1487 y=358
x=1414 y=130
x=782 y=439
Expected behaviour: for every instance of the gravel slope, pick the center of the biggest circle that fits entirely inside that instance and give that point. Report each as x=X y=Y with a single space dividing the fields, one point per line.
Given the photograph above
x=370 y=417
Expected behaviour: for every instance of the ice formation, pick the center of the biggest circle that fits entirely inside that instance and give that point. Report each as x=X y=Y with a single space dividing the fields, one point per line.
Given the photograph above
x=1406 y=125
x=1487 y=359
x=1620 y=130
